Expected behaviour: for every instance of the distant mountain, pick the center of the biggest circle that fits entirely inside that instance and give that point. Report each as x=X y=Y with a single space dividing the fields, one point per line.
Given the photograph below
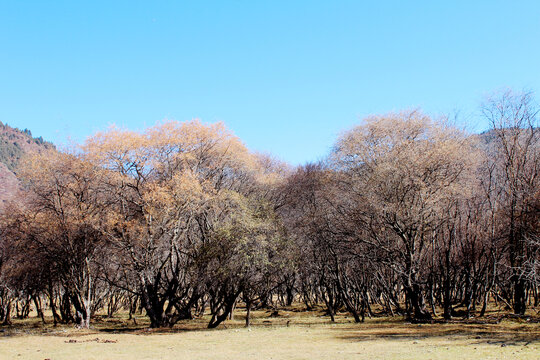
x=489 y=140
x=14 y=144
x=488 y=136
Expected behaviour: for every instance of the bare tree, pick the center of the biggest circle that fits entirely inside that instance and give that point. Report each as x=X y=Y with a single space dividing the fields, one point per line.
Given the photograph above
x=401 y=169
x=516 y=165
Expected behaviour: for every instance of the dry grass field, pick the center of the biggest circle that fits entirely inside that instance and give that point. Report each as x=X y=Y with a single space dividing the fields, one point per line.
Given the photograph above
x=291 y=335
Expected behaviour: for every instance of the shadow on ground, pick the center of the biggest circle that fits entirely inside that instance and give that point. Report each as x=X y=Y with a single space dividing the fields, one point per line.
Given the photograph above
x=496 y=334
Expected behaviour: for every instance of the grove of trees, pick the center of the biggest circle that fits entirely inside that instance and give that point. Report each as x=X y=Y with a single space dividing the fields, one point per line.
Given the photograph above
x=408 y=215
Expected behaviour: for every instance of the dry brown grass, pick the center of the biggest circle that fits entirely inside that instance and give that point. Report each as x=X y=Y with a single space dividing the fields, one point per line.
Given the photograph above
x=309 y=335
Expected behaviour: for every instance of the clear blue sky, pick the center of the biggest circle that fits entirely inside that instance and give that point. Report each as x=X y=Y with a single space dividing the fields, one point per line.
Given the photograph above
x=285 y=76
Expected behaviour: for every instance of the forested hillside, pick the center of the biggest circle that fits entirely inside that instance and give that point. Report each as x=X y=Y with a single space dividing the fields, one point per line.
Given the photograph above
x=14 y=144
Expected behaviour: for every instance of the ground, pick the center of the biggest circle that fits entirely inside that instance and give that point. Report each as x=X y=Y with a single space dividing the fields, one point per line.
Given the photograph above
x=291 y=335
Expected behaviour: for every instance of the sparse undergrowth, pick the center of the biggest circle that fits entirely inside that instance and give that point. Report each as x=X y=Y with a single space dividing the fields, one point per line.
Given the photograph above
x=290 y=334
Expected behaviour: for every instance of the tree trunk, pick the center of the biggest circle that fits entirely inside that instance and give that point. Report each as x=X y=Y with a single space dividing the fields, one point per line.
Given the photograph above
x=39 y=310
x=219 y=318
x=7 y=318
x=418 y=303
x=520 y=295
x=248 y=313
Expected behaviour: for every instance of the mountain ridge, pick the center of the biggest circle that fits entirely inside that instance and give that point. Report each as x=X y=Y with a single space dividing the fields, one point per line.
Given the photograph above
x=14 y=144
